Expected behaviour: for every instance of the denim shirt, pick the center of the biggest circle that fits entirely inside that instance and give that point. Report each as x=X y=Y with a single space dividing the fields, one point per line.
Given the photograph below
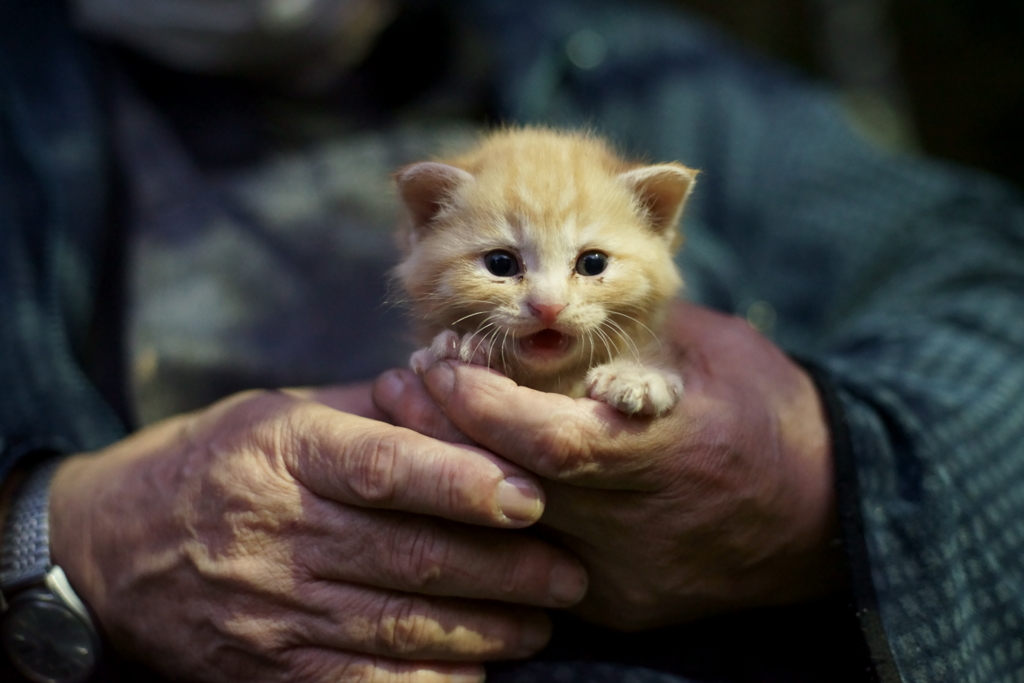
x=55 y=212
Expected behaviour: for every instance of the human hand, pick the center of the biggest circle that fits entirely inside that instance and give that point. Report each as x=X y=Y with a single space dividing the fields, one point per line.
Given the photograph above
x=727 y=502
x=272 y=537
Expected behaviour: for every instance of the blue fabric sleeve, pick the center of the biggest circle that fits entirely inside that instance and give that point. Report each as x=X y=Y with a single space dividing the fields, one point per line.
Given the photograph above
x=54 y=188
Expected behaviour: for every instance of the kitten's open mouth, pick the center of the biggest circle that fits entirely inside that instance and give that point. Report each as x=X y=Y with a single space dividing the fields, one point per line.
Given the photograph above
x=546 y=343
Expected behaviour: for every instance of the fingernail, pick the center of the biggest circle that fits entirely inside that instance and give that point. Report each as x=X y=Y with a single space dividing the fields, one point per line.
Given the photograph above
x=391 y=386
x=440 y=380
x=520 y=500
x=568 y=584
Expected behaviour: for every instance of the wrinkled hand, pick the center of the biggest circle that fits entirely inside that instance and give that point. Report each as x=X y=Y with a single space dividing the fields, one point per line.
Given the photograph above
x=724 y=503
x=273 y=537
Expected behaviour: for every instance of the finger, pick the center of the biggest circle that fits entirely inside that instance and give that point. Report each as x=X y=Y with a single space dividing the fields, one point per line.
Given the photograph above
x=415 y=554
x=400 y=395
x=320 y=665
x=367 y=463
x=401 y=626
x=350 y=398
x=575 y=440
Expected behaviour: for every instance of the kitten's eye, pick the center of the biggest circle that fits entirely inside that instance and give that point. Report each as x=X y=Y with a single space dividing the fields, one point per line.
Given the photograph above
x=591 y=263
x=501 y=263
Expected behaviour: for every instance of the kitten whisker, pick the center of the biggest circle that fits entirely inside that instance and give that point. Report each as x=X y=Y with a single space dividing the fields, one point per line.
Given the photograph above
x=515 y=350
x=504 y=343
x=490 y=343
x=606 y=341
x=625 y=337
x=467 y=317
x=482 y=339
x=649 y=330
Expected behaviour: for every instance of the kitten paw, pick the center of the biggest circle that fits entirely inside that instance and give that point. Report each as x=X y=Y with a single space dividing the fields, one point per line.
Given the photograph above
x=447 y=345
x=633 y=388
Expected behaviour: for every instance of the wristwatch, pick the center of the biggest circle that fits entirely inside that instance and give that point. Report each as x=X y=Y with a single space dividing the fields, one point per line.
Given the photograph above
x=45 y=629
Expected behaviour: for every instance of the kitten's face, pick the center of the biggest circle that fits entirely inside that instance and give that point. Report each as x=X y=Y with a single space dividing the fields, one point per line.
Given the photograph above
x=543 y=250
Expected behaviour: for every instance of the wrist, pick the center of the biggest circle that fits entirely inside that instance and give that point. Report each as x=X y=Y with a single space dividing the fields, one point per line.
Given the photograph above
x=7 y=489
x=45 y=629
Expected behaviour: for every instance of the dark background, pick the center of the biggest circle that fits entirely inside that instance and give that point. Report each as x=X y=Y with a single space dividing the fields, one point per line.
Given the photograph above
x=951 y=71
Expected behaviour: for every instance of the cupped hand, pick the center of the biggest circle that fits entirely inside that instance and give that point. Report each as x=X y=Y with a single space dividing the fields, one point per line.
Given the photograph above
x=725 y=503
x=291 y=536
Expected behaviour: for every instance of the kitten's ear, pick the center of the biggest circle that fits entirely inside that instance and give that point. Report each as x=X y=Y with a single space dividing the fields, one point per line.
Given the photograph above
x=426 y=187
x=662 y=190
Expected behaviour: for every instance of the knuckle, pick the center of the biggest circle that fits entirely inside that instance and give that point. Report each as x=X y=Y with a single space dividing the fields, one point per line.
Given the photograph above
x=291 y=424
x=562 y=450
x=271 y=423
x=373 y=476
x=451 y=490
x=424 y=555
x=512 y=574
x=402 y=628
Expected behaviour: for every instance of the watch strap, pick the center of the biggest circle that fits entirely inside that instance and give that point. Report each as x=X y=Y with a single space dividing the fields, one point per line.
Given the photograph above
x=25 y=543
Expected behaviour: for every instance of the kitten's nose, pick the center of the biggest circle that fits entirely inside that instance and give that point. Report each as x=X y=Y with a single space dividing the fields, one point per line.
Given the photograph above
x=546 y=312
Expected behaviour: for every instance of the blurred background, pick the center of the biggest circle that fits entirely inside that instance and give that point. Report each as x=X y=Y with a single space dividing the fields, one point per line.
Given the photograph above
x=235 y=182
x=942 y=76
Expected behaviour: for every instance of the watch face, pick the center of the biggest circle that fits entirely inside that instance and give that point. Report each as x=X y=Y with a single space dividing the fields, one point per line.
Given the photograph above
x=48 y=642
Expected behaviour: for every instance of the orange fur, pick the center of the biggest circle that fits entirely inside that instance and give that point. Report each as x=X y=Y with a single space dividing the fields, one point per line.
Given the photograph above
x=545 y=197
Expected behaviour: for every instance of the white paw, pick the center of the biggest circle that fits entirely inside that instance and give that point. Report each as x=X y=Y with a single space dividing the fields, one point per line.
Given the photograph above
x=633 y=388
x=447 y=345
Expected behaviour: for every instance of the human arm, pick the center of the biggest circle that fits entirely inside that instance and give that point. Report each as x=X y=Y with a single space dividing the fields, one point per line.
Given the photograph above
x=273 y=536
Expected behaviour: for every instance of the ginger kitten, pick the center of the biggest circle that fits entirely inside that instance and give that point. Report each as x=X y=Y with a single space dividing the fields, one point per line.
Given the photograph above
x=545 y=256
